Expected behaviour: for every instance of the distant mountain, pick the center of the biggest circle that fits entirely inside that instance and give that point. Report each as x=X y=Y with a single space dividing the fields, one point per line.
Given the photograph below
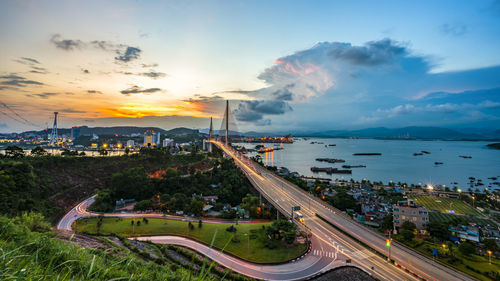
x=406 y=132
x=119 y=130
x=182 y=131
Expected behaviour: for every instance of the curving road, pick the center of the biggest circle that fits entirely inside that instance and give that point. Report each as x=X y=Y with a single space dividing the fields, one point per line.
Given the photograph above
x=319 y=259
x=409 y=265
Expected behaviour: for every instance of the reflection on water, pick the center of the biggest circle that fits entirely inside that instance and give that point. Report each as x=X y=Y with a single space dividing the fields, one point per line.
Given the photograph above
x=397 y=162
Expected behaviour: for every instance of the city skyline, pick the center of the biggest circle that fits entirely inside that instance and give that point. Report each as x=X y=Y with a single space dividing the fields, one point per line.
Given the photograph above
x=281 y=64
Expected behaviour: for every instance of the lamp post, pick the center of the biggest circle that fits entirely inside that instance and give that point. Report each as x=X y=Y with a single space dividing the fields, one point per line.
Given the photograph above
x=489 y=254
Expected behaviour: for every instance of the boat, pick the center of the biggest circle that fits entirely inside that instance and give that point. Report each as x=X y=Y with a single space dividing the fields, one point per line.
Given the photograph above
x=330 y=170
x=330 y=160
x=263 y=150
x=332 y=144
x=465 y=156
x=417 y=154
x=426 y=152
x=353 y=166
x=367 y=154
x=438 y=163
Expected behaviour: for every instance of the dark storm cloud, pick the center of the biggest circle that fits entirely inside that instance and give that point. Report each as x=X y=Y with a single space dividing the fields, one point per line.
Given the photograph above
x=371 y=54
x=131 y=53
x=66 y=44
x=284 y=93
x=86 y=71
x=254 y=110
x=138 y=90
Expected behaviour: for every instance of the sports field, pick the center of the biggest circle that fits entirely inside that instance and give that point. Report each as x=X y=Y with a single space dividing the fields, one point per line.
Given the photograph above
x=445 y=204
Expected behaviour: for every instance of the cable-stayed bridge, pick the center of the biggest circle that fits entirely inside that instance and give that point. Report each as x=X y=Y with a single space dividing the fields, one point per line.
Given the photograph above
x=331 y=230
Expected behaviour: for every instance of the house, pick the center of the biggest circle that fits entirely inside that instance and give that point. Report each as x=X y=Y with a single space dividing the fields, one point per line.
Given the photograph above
x=211 y=198
x=125 y=205
x=410 y=211
x=463 y=232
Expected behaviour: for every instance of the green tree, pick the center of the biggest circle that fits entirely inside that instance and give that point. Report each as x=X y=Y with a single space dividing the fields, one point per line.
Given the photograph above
x=439 y=230
x=196 y=206
x=143 y=205
x=490 y=244
x=407 y=230
x=387 y=222
x=13 y=151
x=466 y=248
x=343 y=201
x=38 y=151
x=251 y=204
x=132 y=183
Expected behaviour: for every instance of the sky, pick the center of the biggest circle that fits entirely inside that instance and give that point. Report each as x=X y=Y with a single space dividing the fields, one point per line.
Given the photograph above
x=283 y=65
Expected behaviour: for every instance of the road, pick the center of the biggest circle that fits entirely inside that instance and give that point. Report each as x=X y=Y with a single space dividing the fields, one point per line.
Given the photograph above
x=409 y=265
x=319 y=259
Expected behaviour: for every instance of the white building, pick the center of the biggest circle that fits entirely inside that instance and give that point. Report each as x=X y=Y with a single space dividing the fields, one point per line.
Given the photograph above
x=168 y=142
x=130 y=143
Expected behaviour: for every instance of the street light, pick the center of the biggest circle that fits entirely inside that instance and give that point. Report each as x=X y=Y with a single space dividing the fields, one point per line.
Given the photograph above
x=489 y=254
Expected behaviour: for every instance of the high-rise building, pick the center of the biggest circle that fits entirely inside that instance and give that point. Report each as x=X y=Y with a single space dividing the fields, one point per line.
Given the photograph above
x=130 y=143
x=75 y=132
x=168 y=142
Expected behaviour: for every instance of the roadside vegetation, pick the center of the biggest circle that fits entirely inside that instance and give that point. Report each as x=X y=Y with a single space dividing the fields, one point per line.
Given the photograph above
x=257 y=242
x=51 y=185
x=28 y=251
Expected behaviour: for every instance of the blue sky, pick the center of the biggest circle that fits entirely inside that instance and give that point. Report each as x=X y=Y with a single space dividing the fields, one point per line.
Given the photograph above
x=283 y=64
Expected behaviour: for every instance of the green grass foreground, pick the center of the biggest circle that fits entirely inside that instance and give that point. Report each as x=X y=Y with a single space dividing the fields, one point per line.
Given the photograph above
x=248 y=243
x=443 y=205
x=32 y=255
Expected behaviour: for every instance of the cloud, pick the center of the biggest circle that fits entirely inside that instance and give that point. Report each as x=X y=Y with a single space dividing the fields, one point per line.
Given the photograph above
x=66 y=44
x=31 y=60
x=43 y=95
x=130 y=53
x=3 y=125
x=455 y=29
x=371 y=54
x=94 y=92
x=149 y=65
x=153 y=74
x=86 y=71
x=33 y=64
x=17 y=81
x=249 y=111
x=137 y=90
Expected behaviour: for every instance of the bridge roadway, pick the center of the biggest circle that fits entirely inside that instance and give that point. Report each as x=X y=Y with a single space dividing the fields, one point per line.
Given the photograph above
x=284 y=195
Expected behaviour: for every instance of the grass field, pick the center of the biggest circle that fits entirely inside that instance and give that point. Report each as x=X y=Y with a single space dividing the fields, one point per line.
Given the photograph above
x=444 y=204
x=468 y=264
x=448 y=218
x=249 y=241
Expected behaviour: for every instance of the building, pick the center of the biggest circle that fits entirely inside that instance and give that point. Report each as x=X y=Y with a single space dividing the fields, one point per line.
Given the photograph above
x=462 y=232
x=75 y=132
x=168 y=142
x=151 y=138
x=130 y=143
x=410 y=211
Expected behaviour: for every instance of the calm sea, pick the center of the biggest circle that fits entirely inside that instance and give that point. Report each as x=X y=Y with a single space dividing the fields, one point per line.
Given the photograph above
x=396 y=163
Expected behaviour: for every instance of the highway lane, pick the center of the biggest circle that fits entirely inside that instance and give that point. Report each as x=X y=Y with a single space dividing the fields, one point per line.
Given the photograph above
x=284 y=195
